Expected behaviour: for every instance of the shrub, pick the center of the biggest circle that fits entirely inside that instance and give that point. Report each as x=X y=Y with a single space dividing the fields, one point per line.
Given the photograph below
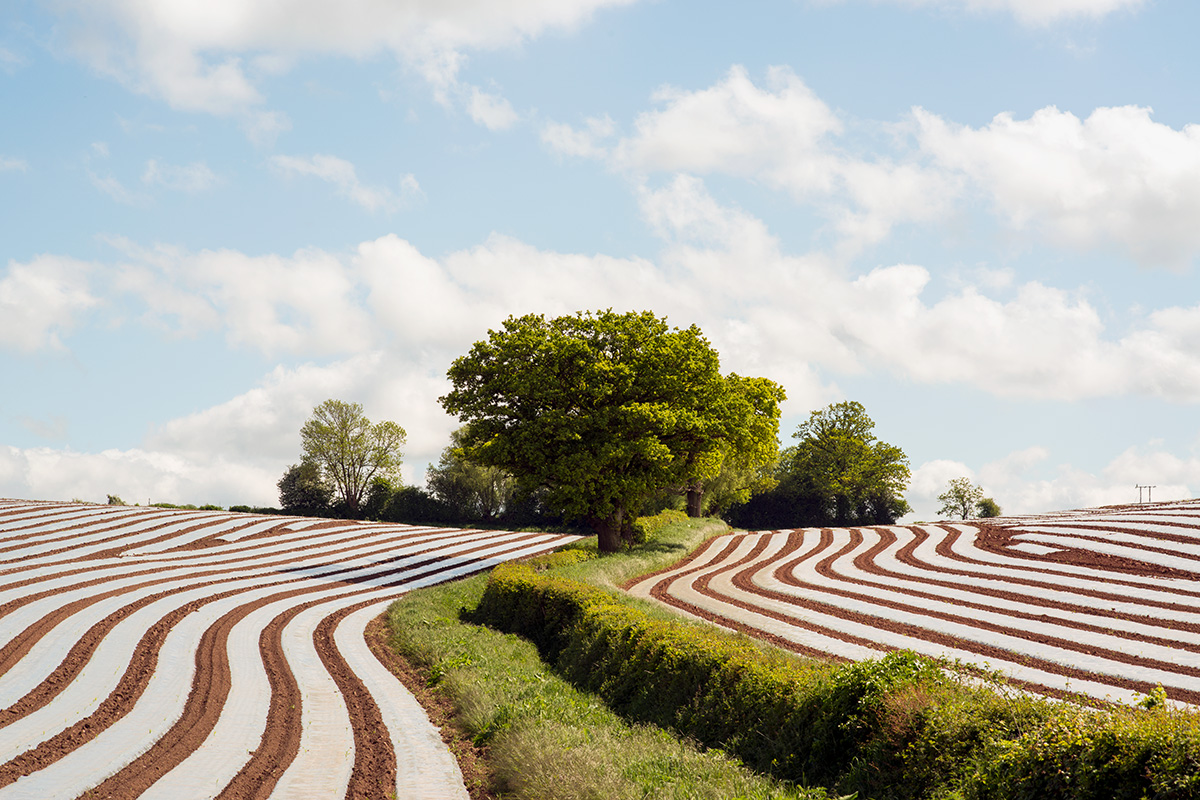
x=898 y=727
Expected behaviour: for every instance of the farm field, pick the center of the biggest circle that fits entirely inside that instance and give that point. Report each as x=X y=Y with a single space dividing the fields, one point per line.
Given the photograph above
x=1100 y=602
x=163 y=653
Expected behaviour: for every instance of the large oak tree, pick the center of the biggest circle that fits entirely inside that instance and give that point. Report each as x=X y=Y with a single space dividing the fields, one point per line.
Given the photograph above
x=601 y=410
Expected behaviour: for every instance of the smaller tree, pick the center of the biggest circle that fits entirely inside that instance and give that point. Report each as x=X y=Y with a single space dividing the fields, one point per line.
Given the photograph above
x=960 y=498
x=303 y=491
x=350 y=451
x=987 y=507
x=470 y=490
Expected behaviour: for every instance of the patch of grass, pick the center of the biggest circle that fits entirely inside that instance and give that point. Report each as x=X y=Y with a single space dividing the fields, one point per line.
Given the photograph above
x=545 y=739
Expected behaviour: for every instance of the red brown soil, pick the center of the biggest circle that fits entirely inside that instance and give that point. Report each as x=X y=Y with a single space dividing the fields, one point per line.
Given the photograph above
x=743 y=579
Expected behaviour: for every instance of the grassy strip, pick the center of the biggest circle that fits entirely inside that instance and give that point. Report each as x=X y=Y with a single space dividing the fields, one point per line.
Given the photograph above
x=545 y=739
x=894 y=728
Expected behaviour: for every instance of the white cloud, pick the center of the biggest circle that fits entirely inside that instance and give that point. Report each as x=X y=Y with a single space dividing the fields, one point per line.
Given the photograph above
x=491 y=110
x=209 y=56
x=737 y=128
x=785 y=137
x=582 y=143
x=190 y=178
x=1036 y=12
x=342 y=174
x=1018 y=484
x=1115 y=178
x=9 y=164
x=306 y=303
x=136 y=475
x=42 y=299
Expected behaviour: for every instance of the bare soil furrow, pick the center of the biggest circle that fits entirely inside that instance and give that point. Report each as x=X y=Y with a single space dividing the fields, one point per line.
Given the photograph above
x=89 y=588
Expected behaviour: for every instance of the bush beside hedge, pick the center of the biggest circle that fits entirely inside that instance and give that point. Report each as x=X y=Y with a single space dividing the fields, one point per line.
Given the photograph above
x=893 y=728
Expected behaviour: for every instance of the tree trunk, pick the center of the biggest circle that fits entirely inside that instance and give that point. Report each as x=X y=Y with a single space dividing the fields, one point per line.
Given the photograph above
x=608 y=532
x=695 y=501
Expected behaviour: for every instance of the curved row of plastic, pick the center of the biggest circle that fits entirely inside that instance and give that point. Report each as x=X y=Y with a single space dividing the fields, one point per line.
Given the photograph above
x=1102 y=602
x=168 y=653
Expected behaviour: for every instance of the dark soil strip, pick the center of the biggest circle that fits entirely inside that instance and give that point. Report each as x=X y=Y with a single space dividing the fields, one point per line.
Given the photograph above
x=661 y=591
x=281 y=739
x=77 y=657
x=896 y=581
x=826 y=569
x=374 y=773
x=744 y=581
x=1041 y=575
x=210 y=688
x=115 y=706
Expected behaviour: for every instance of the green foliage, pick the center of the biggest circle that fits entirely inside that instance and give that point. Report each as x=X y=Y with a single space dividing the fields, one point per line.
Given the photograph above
x=837 y=474
x=413 y=505
x=601 y=411
x=244 y=509
x=303 y=490
x=188 y=506
x=647 y=528
x=114 y=500
x=350 y=451
x=802 y=721
x=546 y=739
x=469 y=490
x=750 y=446
x=987 y=507
x=901 y=727
x=961 y=498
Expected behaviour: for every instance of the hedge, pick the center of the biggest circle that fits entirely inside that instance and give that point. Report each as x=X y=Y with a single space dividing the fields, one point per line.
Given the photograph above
x=899 y=727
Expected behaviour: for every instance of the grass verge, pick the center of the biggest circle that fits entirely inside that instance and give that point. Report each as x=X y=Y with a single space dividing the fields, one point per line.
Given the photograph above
x=540 y=737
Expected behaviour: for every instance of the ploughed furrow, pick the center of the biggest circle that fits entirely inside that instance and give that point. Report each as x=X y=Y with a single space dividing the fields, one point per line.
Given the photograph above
x=198 y=654
x=1100 y=602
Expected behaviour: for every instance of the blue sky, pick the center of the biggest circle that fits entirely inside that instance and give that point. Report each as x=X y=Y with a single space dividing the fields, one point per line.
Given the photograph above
x=979 y=218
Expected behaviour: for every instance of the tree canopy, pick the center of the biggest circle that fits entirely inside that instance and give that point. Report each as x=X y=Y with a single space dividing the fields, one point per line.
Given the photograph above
x=601 y=410
x=961 y=498
x=987 y=507
x=469 y=491
x=350 y=451
x=302 y=489
x=838 y=473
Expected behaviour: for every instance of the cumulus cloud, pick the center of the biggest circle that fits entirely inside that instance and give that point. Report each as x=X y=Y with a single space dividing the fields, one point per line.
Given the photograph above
x=211 y=57
x=190 y=178
x=1114 y=178
x=136 y=475
x=41 y=300
x=781 y=135
x=306 y=303
x=343 y=175
x=1022 y=483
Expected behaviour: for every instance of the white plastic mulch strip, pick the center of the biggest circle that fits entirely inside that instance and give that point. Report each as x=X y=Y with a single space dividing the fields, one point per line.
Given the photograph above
x=893 y=610
x=335 y=567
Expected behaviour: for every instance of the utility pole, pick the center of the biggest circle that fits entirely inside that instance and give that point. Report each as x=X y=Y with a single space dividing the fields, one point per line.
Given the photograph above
x=1149 y=492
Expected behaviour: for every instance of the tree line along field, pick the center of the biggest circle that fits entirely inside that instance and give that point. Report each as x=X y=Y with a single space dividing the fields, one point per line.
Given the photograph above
x=1103 y=603
x=166 y=653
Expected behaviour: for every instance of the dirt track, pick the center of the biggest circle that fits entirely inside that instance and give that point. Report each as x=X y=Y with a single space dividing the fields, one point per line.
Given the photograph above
x=167 y=653
x=1101 y=602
